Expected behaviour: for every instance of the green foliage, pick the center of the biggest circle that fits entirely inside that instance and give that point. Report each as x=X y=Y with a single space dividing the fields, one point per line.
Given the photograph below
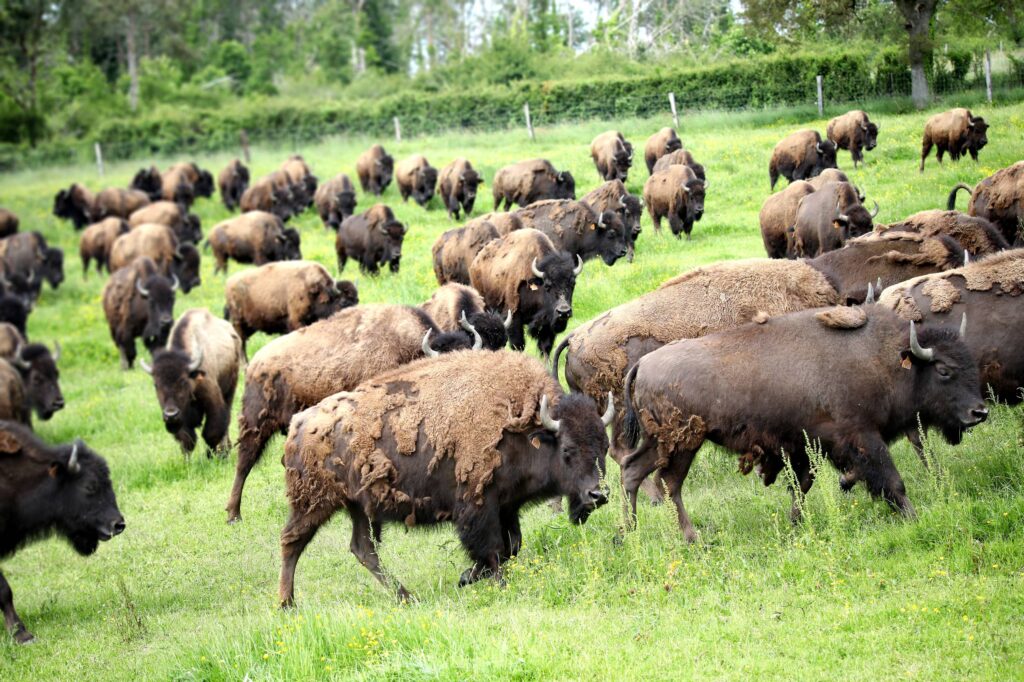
x=375 y=36
x=233 y=60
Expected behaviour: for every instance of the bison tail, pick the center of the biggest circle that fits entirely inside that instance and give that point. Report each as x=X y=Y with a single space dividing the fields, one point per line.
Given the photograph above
x=206 y=246
x=557 y=354
x=951 y=202
x=631 y=425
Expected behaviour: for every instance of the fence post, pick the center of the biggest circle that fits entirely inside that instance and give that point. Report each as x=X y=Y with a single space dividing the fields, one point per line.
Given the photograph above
x=398 y=131
x=529 y=122
x=821 y=103
x=99 y=158
x=243 y=137
x=672 y=103
x=988 y=76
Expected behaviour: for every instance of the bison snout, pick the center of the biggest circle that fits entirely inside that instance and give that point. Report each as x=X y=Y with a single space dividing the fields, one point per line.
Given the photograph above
x=598 y=497
x=166 y=320
x=563 y=311
x=117 y=528
x=171 y=413
x=58 y=404
x=978 y=415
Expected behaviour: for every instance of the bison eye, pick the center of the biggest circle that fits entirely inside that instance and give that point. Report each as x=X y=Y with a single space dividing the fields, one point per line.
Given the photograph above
x=943 y=371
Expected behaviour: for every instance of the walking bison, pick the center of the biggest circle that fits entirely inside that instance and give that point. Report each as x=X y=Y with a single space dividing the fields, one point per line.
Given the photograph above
x=612 y=155
x=956 y=131
x=232 y=181
x=97 y=240
x=613 y=196
x=854 y=132
x=675 y=193
x=829 y=217
x=372 y=238
x=663 y=142
x=575 y=227
x=457 y=184
x=254 y=237
x=335 y=200
x=801 y=155
x=375 y=168
x=138 y=301
x=528 y=181
x=416 y=178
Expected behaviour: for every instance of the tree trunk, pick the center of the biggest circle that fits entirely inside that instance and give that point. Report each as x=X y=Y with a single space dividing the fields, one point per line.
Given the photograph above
x=918 y=15
x=631 y=6
x=133 y=62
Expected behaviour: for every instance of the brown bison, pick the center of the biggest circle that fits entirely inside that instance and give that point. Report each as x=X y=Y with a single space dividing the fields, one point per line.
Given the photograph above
x=613 y=196
x=302 y=181
x=11 y=340
x=956 y=131
x=158 y=243
x=675 y=193
x=512 y=449
x=976 y=235
x=1000 y=199
x=457 y=184
x=150 y=181
x=524 y=274
x=37 y=368
x=612 y=155
x=680 y=157
x=503 y=222
x=195 y=379
x=27 y=254
x=83 y=207
x=50 y=490
x=278 y=298
x=264 y=196
x=138 y=301
x=828 y=217
x=831 y=175
x=800 y=156
x=335 y=200
x=232 y=181
x=375 y=168
x=778 y=217
x=854 y=132
x=186 y=226
x=8 y=223
x=575 y=227
x=455 y=249
x=184 y=182
x=254 y=237
x=893 y=377
x=457 y=307
x=302 y=368
x=97 y=240
x=372 y=238
x=415 y=177
x=528 y=181
x=663 y=142
x=13 y=402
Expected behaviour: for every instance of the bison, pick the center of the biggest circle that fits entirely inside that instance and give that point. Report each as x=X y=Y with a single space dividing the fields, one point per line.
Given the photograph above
x=265 y=197
x=335 y=200
x=150 y=181
x=138 y=301
x=158 y=243
x=232 y=182
x=277 y=298
x=800 y=156
x=612 y=155
x=386 y=451
x=1000 y=199
x=302 y=181
x=956 y=131
x=778 y=218
x=457 y=307
x=186 y=226
x=680 y=157
x=828 y=217
x=976 y=235
x=375 y=168
x=254 y=237
x=27 y=254
x=97 y=240
x=747 y=391
x=613 y=196
x=528 y=181
x=575 y=227
x=11 y=340
x=8 y=222
x=457 y=184
x=13 y=402
x=372 y=238
x=831 y=175
x=195 y=379
x=503 y=222
x=854 y=132
x=82 y=207
x=663 y=142
x=415 y=177
x=47 y=490
x=455 y=249
x=675 y=193
x=38 y=369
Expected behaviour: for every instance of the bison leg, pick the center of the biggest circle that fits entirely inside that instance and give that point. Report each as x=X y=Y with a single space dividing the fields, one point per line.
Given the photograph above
x=85 y=266
x=295 y=535
x=511 y=533
x=14 y=625
x=636 y=467
x=127 y=351
x=941 y=150
x=926 y=149
x=186 y=437
x=215 y=428
x=674 y=475
x=619 y=451
x=656 y=219
x=252 y=439
x=482 y=534
x=364 y=546
x=804 y=479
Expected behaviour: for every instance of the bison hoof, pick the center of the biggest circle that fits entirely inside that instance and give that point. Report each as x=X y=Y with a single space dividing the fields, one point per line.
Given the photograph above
x=234 y=518
x=404 y=596
x=23 y=636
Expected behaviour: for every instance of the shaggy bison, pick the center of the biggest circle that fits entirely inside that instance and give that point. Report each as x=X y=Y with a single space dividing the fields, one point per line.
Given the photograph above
x=373 y=238
x=853 y=132
x=82 y=207
x=675 y=193
x=97 y=240
x=778 y=219
x=663 y=142
x=457 y=184
x=38 y=370
x=138 y=300
x=158 y=243
x=232 y=181
x=680 y=157
x=375 y=168
x=1000 y=199
x=613 y=196
x=300 y=178
x=956 y=131
x=456 y=307
x=416 y=178
x=335 y=200
x=828 y=217
x=575 y=227
x=254 y=237
x=528 y=181
x=186 y=226
x=612 y=155
x=976 y=235
x=800 y=156
x=455 y=249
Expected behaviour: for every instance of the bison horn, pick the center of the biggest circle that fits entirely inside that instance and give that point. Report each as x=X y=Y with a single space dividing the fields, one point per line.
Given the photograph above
x=143 y=291
x=146 y=367
x=875 y=212
x=579 y=266
x=462 y=177
x=19 y=361
x=926 y=354
x=600 y=220
x=878 y=285
x=478 y=342
x=609 y=413
x=864 y=127
x=427 y=350
x=507 y=322
x=536 y=271
x=73 y=466
x=622 y=202
x=405 y=229
x=967 y=258
x=174 y=282
x=550 y=424
x=56 y=352
x=870 y=298
x=561 y=176
x=193 y=365
x=818 y=147
x=963 y=327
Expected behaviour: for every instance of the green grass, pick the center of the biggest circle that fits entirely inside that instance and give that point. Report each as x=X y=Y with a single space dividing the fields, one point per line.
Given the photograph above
x=854 y=592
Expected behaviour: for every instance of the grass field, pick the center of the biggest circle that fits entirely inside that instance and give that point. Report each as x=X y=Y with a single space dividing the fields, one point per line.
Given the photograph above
x=853 y=592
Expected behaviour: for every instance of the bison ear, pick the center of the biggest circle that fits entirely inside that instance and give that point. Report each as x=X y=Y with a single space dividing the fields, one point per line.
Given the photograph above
x=542 y=437
x=9 y=443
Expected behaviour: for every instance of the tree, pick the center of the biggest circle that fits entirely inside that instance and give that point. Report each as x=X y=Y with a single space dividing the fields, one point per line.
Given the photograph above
x=918 y=15
x=375 y=36
x=24 y=42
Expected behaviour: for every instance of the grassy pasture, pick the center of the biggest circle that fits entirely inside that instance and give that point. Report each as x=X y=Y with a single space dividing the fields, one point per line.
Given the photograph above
x=853 y=592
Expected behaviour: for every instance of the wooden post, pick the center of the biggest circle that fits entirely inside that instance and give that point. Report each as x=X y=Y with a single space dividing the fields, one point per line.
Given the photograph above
x=529 y=122
x=821 y=103
x=243 y=137
x=988 y=76
x=672 y=103
x=398 y=130
x=99 y=158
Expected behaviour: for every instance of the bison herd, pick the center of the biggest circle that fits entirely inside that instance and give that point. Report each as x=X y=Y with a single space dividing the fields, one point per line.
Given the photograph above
x=850 y=335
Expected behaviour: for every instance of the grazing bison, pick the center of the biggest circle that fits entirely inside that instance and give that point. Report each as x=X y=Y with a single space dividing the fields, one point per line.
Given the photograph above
x=335 y=200
x=528 y=181
x=301 y=179
x=375 y=168
x=302 y=368
x=524 y=274
x=46 y=490
x=277 y=298
x=688 y=392
x=457 y=184
x=232 y=181
x=97 y=240
x=415 y=177
x=254 y=237
x=575 y=227
x=195 y=379
x=372 y=238
x=800 y=156
x=8 y=223
x=186 y=226
x=27 y=254
x=455 y=249
x=82 y=207
x=853 y=132
x=956 y=131
x=1000 y=199
x=387 y=451
x=828 y=218
x=158 y=243
x=612 y=155
x=456 y=307
x=138 y=301
x=38 y=369
x=976 y=235
x=675 y=193
x=663 y=142
x=264 y=196
x=680 y=157
x=778 y=218
x=613 y=196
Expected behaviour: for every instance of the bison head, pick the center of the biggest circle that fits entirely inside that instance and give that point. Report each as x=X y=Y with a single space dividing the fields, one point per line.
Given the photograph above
x=826 y=150
x=330 y=299
x=174 y=375
x=609 y=237
x=186 y=267
x=84 y=503
x=554 y=279
x=289 y=245
x=38 y=369
x=855 y=221
x=565 y=186
x=392 y=233
x=673 y=143
x=53 y=266
x=577 y=433
x=870 y=131
x=469 y=181
x=384 y=170
x=192 y=230
x=71 y=205
x=148 y=180
x=977 y=136
x=346 y=202
x=695 y=190
x=424 y=184
x=158 y=293
x=204 y=185
x=492 y=328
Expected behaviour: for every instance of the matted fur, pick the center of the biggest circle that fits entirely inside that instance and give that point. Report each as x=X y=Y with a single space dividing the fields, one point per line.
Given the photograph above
x=455 y=249
x=503 y=222
x=842 y=317
x=503 y=264
x=558 y=216
x=827 y=175
x=13 y=402
x=1004 y=269
x=151 y=240
x=517 y=180
x=447 y=303
x=159 y=212
x=116 y=201
x=977 y=235
x=680 y=157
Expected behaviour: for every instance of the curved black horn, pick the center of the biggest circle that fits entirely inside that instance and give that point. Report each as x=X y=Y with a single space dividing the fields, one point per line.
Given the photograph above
x=73 y=465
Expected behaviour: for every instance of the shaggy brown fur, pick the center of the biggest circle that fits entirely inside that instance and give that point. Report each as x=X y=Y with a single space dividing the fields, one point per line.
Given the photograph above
x=1000 y=199
x=375 y=168
x=455 y=250
x=13 y=402
x=680 y=157
x=415 y=177
x=778 y=215
x=115 y=201
x=827 y=175
x=611 y=156
x=674 y=193
x=11 y=340
x=528 y=181
x=976 y=235
x=956 y=131
x=854 y=132
x=335 y=200
x=503 y=222
x=160 y=212
x=504 y=264
x=232 y=181
x=223 y=356
x=177 y=184
x=801 y=155
x=457 y=184
x=259 y=196
x=8 y=223
x=840 y=317
x=659 y=144
x=97 y=240
x=250 y=237
x=153 y=241
x=449 y=302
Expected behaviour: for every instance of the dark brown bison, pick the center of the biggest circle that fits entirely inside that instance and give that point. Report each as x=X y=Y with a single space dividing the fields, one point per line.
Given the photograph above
x=612 y=155
x=8 y=223
x=28 y=255
x=528 y=181
x=854 y=132
x=1000 y=199
x=302 y=368
x=159 y=243
x=828 y=218
x=186 y=226
x=778 y=218
x=97 y=240
x=254 y=237
x=82 y=207
x=511 y=449
x=675 y=193
x=575 y=227
x=195 y=379
x=232 y=181
x=335 y=200
x=150 y=181
x=416 y=178
x=956 y=131
x=455 y=249
x=800 y=156
x=264 y=196
x=375 y=168
x=524 y=274
x=38 y=369
x=302 y=181
x=976 y=235
x=457 y=184
x=680 y=157
x=372 y=238
x=663 y=142
x=46 y=490
x=892 y=378
x=277 y=298
x=138 y=301
x=613 y=196
x=457 y=308
x=503 y=222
